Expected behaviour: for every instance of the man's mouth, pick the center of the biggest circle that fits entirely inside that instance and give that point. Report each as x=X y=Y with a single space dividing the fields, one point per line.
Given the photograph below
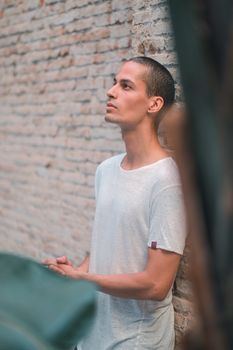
x=110 y=105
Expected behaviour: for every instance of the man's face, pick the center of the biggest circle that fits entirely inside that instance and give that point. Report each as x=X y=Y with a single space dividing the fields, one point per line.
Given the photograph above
x=127 y=99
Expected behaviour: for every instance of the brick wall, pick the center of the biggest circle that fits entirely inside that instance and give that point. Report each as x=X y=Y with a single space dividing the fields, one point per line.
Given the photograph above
x=56 y=62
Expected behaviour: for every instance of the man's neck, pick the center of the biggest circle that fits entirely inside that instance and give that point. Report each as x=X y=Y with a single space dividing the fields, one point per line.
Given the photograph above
x=142 y=148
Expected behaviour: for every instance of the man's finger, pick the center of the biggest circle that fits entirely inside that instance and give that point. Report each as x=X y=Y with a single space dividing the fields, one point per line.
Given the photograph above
x=56 y=269
x=49 y=261
x=63 y=260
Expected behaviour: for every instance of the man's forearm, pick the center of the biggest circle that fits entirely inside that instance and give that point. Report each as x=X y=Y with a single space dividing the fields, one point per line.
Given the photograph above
x=133 y=285
x=152 y=284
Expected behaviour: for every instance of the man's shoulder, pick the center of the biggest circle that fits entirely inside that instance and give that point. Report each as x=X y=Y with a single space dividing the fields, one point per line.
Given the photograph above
x=112 y=161
x=167 y=167
x=166 y=174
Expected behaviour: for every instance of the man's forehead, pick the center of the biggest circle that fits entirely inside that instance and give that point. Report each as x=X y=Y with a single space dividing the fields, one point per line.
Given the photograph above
x=131 y=71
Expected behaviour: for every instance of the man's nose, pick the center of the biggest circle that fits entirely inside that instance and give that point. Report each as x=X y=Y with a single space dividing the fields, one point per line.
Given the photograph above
x=112 y=92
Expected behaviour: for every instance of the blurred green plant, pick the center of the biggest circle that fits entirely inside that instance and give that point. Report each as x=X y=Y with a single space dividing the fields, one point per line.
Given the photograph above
x=39 y=309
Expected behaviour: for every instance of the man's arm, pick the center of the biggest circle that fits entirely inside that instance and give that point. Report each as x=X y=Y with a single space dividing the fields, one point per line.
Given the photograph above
x=153 y=283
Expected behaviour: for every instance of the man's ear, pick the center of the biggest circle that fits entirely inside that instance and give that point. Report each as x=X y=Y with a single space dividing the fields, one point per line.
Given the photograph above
x=155 y=104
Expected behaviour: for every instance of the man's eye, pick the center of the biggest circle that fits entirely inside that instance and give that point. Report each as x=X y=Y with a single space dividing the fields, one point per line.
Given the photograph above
x=126 y=87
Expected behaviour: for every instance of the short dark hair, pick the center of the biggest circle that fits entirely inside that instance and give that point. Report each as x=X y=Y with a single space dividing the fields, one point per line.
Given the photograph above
x=158 y=79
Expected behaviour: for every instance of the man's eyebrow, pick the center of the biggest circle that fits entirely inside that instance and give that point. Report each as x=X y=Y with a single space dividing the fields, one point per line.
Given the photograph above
x=124 y=81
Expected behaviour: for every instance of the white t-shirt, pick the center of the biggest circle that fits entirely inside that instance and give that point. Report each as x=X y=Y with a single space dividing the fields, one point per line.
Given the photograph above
x=135 y=209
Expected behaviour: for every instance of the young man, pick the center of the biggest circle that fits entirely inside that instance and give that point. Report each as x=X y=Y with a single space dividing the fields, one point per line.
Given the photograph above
x=139 y=230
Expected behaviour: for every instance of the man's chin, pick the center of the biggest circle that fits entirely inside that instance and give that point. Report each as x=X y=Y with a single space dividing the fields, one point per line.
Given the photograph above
x=110 y=119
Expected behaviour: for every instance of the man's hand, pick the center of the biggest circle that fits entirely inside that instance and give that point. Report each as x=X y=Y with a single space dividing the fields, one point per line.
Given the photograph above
x=59 y=264
x=65 y=269
x=63 y=266
x=55 y=261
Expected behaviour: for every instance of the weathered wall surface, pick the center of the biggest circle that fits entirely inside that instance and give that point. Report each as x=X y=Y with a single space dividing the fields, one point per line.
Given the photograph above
x=56 y=62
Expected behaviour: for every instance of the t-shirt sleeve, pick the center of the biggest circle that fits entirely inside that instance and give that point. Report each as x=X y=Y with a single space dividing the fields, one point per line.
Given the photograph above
x=168 y=228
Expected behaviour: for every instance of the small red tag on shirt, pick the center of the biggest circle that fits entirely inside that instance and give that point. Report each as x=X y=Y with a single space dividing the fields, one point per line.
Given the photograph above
x=153 y=244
